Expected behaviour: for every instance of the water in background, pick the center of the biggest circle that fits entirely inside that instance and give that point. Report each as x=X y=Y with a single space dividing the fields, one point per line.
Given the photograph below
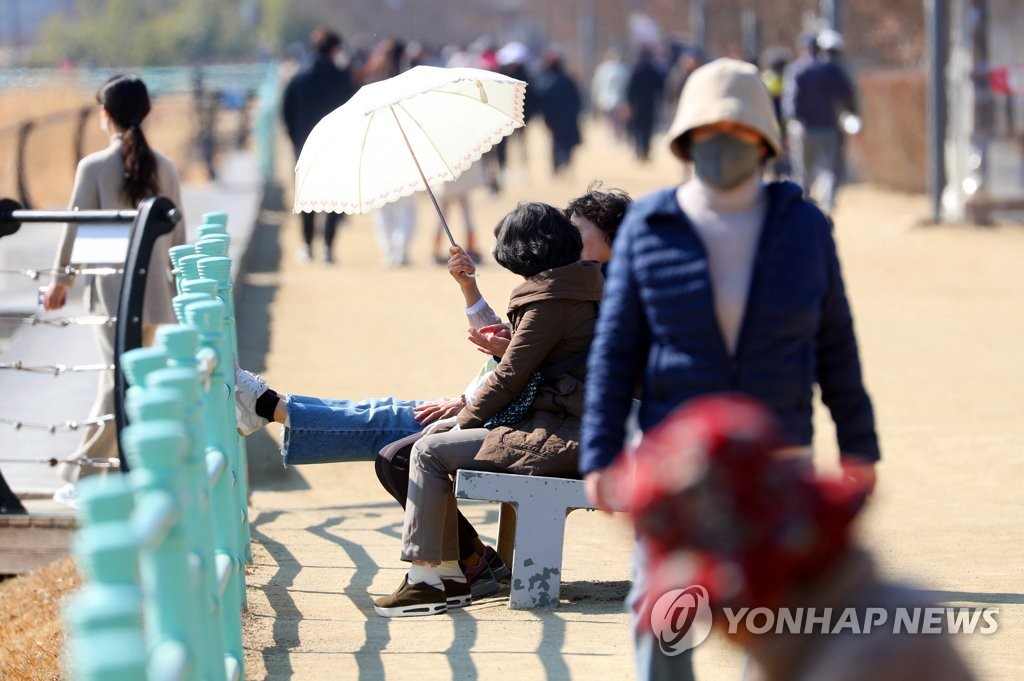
x=159 y=79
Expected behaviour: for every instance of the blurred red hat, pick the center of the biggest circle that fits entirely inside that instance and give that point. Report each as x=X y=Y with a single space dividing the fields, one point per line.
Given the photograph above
x=718 y=503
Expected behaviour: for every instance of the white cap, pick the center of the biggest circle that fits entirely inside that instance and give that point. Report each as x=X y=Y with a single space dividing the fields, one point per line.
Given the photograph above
x=513 y=53
x=830 y=39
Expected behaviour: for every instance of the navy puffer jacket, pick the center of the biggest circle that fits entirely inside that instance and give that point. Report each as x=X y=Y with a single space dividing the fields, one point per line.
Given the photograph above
x=658 y=332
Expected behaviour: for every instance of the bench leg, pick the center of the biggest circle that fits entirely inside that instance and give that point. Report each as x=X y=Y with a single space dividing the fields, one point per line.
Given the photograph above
x=537 y=561
x=506 y=533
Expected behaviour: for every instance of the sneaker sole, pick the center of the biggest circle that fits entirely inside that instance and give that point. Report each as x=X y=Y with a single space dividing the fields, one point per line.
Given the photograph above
x=412 y=610
x=459 y=601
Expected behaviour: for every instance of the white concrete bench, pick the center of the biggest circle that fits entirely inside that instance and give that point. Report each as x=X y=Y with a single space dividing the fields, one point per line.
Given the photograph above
x=533 y=511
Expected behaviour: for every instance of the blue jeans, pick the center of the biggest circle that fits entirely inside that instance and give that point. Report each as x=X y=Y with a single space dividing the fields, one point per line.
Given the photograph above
x=329 y=431
x=651 y=663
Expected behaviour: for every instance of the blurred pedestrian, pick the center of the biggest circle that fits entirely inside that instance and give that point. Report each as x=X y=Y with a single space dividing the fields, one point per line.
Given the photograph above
x=726 y=515
x=561 y=106
x=317 y=89
x=816 y=95
x=773 y=74
x=395 y=221
x=687 y=61
x=644 y=95
x=724 y=283
x=513 y=61
x=608 y=92
x=458 y=192
x=118 y=177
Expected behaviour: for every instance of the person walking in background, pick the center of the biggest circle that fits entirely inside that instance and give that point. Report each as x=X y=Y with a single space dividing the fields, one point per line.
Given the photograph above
x=722 y=284
x=317 y=89
x=643 y=95
x=608 y=92
x=459 y=191
x=118 y=177
x=561 y=106
x=816 y=94
x=773 y=74
x=513 y=61
x=687 y=61
x=395 y=221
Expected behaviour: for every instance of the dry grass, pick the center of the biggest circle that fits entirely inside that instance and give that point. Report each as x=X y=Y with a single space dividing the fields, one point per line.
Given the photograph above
x=31 y=632
x=50 y=170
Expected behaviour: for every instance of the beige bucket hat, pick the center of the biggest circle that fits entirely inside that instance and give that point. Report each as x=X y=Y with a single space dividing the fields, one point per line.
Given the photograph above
x=725 y=90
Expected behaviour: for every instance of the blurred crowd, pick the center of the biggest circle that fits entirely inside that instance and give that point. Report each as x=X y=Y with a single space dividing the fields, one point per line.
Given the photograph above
x=634 y=92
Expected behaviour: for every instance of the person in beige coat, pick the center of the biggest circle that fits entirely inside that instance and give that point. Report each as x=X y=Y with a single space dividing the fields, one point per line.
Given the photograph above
x=117 y=177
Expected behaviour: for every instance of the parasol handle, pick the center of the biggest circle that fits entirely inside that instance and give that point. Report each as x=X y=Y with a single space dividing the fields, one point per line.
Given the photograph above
x=437 y=207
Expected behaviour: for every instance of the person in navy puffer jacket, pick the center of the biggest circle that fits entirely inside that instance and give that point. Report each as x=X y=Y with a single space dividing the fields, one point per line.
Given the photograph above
x=724 y=284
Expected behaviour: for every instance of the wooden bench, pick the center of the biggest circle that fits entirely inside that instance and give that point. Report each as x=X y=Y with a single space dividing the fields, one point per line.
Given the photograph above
x=531 y=528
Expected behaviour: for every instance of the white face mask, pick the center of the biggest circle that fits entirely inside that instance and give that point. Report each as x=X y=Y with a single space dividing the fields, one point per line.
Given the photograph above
x=105 y=122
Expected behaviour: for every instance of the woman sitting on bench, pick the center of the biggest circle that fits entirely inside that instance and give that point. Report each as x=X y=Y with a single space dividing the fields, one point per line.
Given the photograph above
x=553 y=313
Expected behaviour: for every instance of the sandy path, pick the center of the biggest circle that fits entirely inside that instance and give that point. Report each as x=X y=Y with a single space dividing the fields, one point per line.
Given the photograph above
x=938 y=311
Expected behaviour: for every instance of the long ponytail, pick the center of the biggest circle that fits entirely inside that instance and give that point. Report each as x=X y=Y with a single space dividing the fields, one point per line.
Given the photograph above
x=126 y=99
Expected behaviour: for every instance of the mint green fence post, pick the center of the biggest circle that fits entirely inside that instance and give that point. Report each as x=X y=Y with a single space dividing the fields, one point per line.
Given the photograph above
x=104 y=618
x=218 y=426
x=218 y=268
x=156 y=451
x=177 y=253
x=216 y=217
x=181 y=379
x=214 y=241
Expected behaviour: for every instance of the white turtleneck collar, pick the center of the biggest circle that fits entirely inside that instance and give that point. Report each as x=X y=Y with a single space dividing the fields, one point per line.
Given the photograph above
x=729 y=225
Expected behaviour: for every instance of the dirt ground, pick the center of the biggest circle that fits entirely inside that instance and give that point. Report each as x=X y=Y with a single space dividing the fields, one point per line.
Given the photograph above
x=938 y=313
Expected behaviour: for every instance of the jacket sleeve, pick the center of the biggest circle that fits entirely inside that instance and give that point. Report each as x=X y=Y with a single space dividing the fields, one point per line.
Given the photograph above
x=538 y=332
x=838 y=369
x=84 y=196
x=616 y=360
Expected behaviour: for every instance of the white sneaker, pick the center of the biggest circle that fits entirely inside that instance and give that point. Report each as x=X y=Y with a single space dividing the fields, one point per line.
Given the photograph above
x=305 y=253
x=248 y=388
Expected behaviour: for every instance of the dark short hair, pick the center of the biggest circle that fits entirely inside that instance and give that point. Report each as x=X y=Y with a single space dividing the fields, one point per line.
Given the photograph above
x=324 y=40
x=535 y=237
x=604 y=208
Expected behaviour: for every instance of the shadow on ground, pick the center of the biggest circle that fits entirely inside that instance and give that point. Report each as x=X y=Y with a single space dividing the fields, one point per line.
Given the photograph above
x=253 y=301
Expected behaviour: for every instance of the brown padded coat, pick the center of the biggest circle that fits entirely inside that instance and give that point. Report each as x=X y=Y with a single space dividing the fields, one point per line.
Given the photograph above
x=553 y=316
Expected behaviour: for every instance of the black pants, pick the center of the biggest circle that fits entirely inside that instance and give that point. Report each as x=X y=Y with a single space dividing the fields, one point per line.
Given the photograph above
x=331 y=222
x=394 y=476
